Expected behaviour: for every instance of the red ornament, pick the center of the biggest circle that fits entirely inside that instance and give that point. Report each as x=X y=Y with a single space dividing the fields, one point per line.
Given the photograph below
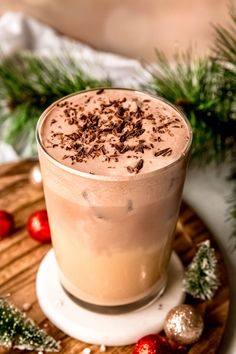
x=38 y=226
x=6 y=223
x=153 y=344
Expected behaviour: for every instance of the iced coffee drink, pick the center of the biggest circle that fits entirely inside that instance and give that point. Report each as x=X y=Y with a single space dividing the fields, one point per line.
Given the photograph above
x=113 y=163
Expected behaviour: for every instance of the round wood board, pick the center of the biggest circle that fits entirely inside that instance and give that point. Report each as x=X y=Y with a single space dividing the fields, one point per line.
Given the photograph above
x=20 y=257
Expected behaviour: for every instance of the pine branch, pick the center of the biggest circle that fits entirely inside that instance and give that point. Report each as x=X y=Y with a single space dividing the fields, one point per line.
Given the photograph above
x=206 y=91
x=201 y=279
x=29 y=84
x=19 y=332
x=197 y=88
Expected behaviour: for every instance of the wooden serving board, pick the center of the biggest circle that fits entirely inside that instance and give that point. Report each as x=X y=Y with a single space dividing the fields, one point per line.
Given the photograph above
x=20 y=257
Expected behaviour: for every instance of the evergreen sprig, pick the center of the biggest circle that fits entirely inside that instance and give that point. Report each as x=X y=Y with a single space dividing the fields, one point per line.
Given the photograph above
x=201 y=277
x=29 y=84
x=205 y=90
x=196 y=87
x=19 y=332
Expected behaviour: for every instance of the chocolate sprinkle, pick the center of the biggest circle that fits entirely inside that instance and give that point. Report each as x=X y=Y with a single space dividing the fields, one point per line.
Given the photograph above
x=164 y=152
x=120 y=111
x=139 y=165
x=130 y=169
x=53 y=121
x=100 y=91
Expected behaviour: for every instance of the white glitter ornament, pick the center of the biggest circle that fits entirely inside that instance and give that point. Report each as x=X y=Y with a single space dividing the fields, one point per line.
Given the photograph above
x=183 y=324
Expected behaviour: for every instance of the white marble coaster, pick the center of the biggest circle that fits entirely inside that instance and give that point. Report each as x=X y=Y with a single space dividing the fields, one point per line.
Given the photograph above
x=95 y=328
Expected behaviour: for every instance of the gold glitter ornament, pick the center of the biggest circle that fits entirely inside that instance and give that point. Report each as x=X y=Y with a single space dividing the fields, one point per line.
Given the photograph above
x=183 y=324
x=35 y=176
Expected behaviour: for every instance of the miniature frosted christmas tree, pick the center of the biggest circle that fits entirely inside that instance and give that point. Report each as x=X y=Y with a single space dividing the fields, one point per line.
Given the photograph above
x=19 y=332
x=201 y=278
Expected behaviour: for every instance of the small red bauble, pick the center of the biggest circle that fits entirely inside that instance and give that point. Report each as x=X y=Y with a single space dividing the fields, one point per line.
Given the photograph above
x=38 y=226
x=6 y=223
x=153 y=344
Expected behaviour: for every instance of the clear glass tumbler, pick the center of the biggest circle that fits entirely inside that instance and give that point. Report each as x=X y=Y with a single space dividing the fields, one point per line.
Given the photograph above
x=112 y=235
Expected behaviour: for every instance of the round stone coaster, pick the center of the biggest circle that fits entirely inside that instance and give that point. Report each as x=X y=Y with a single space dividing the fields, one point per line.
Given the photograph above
x=107 y=329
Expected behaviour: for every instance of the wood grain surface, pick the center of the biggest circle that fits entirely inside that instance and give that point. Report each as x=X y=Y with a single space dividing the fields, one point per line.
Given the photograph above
x=20 y=257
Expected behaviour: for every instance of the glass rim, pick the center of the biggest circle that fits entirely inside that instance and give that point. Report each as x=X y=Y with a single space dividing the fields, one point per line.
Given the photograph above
x=88 y=175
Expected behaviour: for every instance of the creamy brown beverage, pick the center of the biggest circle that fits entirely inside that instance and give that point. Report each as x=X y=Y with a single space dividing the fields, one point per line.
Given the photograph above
x=113 y=163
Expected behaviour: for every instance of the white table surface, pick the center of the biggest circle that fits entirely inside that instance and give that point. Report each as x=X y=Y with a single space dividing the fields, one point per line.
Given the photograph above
x=206 y=190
